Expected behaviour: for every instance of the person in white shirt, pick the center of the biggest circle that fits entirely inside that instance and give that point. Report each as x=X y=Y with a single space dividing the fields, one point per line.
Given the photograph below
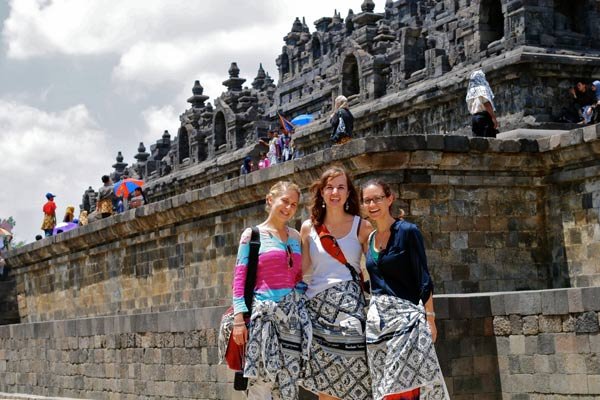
x=480 y=101
x=337 y=368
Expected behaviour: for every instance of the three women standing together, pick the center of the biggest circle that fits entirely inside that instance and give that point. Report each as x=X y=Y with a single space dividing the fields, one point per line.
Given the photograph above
x=321 y=337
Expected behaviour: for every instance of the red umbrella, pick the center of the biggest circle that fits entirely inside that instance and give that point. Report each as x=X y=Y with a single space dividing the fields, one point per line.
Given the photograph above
x=4 y=232
x=126 y=186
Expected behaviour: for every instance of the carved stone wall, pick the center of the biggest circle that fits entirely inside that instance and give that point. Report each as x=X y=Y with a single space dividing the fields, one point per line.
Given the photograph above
x=410 y=64
x=488 y=210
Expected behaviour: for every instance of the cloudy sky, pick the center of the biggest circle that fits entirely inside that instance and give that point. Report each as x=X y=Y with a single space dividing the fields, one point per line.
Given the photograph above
x=81 y=80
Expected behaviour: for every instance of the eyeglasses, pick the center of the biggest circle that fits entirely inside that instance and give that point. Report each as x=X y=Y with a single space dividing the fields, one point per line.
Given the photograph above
x=376 y=200
x=290 y=254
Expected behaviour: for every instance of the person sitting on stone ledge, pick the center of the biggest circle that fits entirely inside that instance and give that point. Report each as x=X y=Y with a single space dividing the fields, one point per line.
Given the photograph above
x=69 y=214
x=264 y=161
x=83 y=218
x=105 y=198
x=246 y=167
x=138 y=199
x=480 y=101
x=342 y=121
x=586 y=97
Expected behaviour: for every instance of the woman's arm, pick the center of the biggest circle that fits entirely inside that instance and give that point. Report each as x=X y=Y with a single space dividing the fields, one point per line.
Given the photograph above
x=240 y=333
x=334 y=119
x=419 y=262
x=304 y=238
x=363 y=234
x=430 y=314
x=490 y=110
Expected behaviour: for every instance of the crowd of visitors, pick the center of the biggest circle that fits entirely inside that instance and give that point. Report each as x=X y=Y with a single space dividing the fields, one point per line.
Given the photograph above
x=108 y=203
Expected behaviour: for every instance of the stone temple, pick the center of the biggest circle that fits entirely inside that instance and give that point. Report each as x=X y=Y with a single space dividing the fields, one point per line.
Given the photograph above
x=128 y=307
x=407 y=66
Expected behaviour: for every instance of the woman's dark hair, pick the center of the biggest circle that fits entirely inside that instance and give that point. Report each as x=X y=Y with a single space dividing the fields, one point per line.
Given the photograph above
x=317 y=211
x=105 y=178
x=387 y=191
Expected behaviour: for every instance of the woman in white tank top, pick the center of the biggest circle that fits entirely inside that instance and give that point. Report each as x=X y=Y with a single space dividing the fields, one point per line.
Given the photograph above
x=338 y=367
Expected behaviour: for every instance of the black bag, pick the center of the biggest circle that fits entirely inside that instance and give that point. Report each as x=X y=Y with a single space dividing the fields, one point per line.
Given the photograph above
x=340 y=130
x=234 y=354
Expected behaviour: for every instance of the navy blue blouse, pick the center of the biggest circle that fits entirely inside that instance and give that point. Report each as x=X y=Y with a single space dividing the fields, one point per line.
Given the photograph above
x=401 y=268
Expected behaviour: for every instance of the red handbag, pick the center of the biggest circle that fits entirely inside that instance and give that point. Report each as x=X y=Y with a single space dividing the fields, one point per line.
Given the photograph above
x=235 y=353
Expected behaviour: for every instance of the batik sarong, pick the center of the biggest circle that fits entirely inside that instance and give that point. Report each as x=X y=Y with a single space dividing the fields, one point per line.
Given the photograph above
x=279 y=343
x=400 y=348
x=338 y=360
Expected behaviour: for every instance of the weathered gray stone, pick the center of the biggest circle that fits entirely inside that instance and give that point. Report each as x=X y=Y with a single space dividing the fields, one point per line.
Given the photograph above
x=587 y=323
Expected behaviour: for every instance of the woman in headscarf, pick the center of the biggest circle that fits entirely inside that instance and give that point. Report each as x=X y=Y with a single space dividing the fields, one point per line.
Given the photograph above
x=278 y=336
x=337 y=368
x=342 y=121
x=400 y=322
x=480 y=100
x=246 y=167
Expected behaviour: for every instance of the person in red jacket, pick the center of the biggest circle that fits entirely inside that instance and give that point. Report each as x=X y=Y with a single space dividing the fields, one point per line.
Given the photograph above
x=49 y=215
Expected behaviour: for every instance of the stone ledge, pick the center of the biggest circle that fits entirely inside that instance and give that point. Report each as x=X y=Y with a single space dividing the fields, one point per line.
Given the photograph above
x=167 y=321
x=20 y=396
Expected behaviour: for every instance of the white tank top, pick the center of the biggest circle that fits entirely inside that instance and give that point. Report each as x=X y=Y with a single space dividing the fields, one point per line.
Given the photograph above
x=326 y=270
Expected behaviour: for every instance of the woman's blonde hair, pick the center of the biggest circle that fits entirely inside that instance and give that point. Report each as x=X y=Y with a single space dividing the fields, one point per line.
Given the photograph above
x=278 y=189
x=341 y=102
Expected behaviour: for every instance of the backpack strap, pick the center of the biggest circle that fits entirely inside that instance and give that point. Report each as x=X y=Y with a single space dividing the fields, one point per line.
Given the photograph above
x=252 y=267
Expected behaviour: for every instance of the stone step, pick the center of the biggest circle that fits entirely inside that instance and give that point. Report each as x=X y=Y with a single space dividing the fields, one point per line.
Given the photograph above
x=21 y=396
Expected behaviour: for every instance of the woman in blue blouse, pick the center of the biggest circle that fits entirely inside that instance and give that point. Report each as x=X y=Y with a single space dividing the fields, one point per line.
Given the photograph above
x=400 y=322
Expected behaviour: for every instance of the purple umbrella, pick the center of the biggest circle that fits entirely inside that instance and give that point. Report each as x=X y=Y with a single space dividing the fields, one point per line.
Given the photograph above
x=64 y=227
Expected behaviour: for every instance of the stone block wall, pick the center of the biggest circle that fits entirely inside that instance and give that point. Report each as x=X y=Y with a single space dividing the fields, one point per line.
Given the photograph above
x=525 y=345
x=513 y=345
x=483 y=206
x=9 y=310
x=154 y=356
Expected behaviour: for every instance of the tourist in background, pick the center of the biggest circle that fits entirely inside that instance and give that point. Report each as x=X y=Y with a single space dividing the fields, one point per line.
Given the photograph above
x=278 y=306
x=401 y=319
x=264 y=161
x=138 y=199
x=586 y=97
x=246 y=167
x=49 y=210
x=285 y=145
x=480 y=101
x=69 y=214
x=342 y=121
x=337 y=368
x=106 y=195
x=83 y=218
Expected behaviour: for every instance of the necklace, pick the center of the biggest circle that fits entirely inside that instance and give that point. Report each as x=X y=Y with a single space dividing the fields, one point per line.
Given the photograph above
x=274 y=232
x=382 y=238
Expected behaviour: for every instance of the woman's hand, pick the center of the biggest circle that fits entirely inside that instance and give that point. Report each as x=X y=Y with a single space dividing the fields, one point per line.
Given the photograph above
x=240 y=334
x=432 y=327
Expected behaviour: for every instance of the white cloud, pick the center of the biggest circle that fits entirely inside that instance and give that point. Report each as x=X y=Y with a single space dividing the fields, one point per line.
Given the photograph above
x=41 y=152
x=157 y=120
x=159 y=47
x=39 y=27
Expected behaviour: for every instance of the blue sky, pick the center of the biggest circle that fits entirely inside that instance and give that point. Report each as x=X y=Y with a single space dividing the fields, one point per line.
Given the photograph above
x=82 y=80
